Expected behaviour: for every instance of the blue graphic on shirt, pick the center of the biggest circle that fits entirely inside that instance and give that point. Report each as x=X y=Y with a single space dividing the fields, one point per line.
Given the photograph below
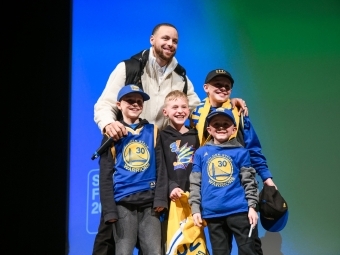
x=184 y=154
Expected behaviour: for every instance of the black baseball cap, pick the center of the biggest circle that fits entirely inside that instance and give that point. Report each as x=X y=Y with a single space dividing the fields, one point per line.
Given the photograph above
x=273 y=209
x=219 y=72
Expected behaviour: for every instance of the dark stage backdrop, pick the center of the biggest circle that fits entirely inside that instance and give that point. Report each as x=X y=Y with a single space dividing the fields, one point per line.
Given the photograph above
x=35 y=57
x=285 y=58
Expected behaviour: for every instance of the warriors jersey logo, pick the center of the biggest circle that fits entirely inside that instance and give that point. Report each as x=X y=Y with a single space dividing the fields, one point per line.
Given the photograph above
x=220 y=170
x=136 y=156
x=184 y=154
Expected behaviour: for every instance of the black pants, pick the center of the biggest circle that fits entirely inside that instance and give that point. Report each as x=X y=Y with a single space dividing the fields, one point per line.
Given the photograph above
x=222 y=229
x=257 y=240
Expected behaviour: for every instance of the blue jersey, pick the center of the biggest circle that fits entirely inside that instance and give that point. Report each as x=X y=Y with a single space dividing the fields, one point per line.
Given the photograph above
x=222 y=193
x=245 y=132
x=135 y=166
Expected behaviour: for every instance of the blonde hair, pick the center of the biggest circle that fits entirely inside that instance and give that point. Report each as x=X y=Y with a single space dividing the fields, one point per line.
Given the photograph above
x=174 y=95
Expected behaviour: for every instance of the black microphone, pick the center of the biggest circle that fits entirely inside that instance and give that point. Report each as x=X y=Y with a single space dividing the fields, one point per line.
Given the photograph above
x=102 y=148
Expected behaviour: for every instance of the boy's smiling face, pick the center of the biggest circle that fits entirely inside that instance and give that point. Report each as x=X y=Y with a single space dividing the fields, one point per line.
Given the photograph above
x=221 y=128
x=131 y=106
x=177 y=110
x=218 y=90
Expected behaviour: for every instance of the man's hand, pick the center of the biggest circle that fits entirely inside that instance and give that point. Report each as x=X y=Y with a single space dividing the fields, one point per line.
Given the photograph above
x=197 y=219
x=116 y=130
x=241 y=104
x=269 y=182
x=175 y=194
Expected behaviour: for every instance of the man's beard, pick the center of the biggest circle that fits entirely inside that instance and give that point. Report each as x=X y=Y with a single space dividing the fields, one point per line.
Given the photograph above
x=159 y=54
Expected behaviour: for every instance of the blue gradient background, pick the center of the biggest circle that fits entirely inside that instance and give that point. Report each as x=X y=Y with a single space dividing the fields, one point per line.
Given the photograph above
x=285 y=59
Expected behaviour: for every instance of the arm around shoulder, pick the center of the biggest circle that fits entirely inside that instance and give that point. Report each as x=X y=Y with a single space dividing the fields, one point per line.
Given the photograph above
x=193 y=98
x=105 y=109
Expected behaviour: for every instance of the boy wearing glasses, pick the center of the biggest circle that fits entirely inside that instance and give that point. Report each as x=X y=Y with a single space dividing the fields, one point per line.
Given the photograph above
x=133 y=180
x=223 y=188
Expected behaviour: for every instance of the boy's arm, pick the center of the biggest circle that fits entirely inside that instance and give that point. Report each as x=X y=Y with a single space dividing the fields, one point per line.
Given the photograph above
x=250 y=185
x=161 y=190
x=253 y=145
x=106 y=164
x=172 y=185
x=195 y=185
x=195 y=192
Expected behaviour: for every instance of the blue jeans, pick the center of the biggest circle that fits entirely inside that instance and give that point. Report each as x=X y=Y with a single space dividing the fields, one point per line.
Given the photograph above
x=135 y=221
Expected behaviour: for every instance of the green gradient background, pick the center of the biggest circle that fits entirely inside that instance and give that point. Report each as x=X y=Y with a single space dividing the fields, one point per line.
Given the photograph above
x=289 y=58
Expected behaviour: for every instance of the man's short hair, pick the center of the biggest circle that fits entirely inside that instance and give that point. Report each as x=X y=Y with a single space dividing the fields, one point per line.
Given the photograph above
x=160 y=25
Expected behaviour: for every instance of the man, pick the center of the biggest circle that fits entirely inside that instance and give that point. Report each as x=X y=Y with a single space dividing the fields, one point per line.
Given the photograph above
x=158 y=79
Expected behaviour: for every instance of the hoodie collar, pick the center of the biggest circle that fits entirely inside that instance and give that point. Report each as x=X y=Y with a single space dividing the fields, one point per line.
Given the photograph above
x=231 y=143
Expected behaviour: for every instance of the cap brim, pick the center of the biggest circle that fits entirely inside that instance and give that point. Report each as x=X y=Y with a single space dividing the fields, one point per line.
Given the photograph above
x=274 y=225
x=145 y=96
x=212 y=115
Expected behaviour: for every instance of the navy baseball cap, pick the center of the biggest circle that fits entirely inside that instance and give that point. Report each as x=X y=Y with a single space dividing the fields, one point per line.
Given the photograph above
x=221 y=111
x=218 y=72
x=273 y=209
x=132 y=89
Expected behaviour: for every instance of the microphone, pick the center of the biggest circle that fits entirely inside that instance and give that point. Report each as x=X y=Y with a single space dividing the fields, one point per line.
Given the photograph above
x=102 y=148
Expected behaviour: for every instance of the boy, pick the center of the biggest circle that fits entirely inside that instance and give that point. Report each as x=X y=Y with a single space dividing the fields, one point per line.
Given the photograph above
x=218 y=86
x=179 y=143
x=137 y=192
x=223 y=185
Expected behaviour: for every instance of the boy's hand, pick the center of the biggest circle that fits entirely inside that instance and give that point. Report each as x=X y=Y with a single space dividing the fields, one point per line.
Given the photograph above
x=175 y=194
x=116 y=130
x=159 y=209
x=241 y=104
x=197 y=219
x=252 y=216
x=269 y=182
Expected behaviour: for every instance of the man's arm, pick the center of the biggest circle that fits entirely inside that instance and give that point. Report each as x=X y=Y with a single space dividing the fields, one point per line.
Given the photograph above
x=105 y=109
